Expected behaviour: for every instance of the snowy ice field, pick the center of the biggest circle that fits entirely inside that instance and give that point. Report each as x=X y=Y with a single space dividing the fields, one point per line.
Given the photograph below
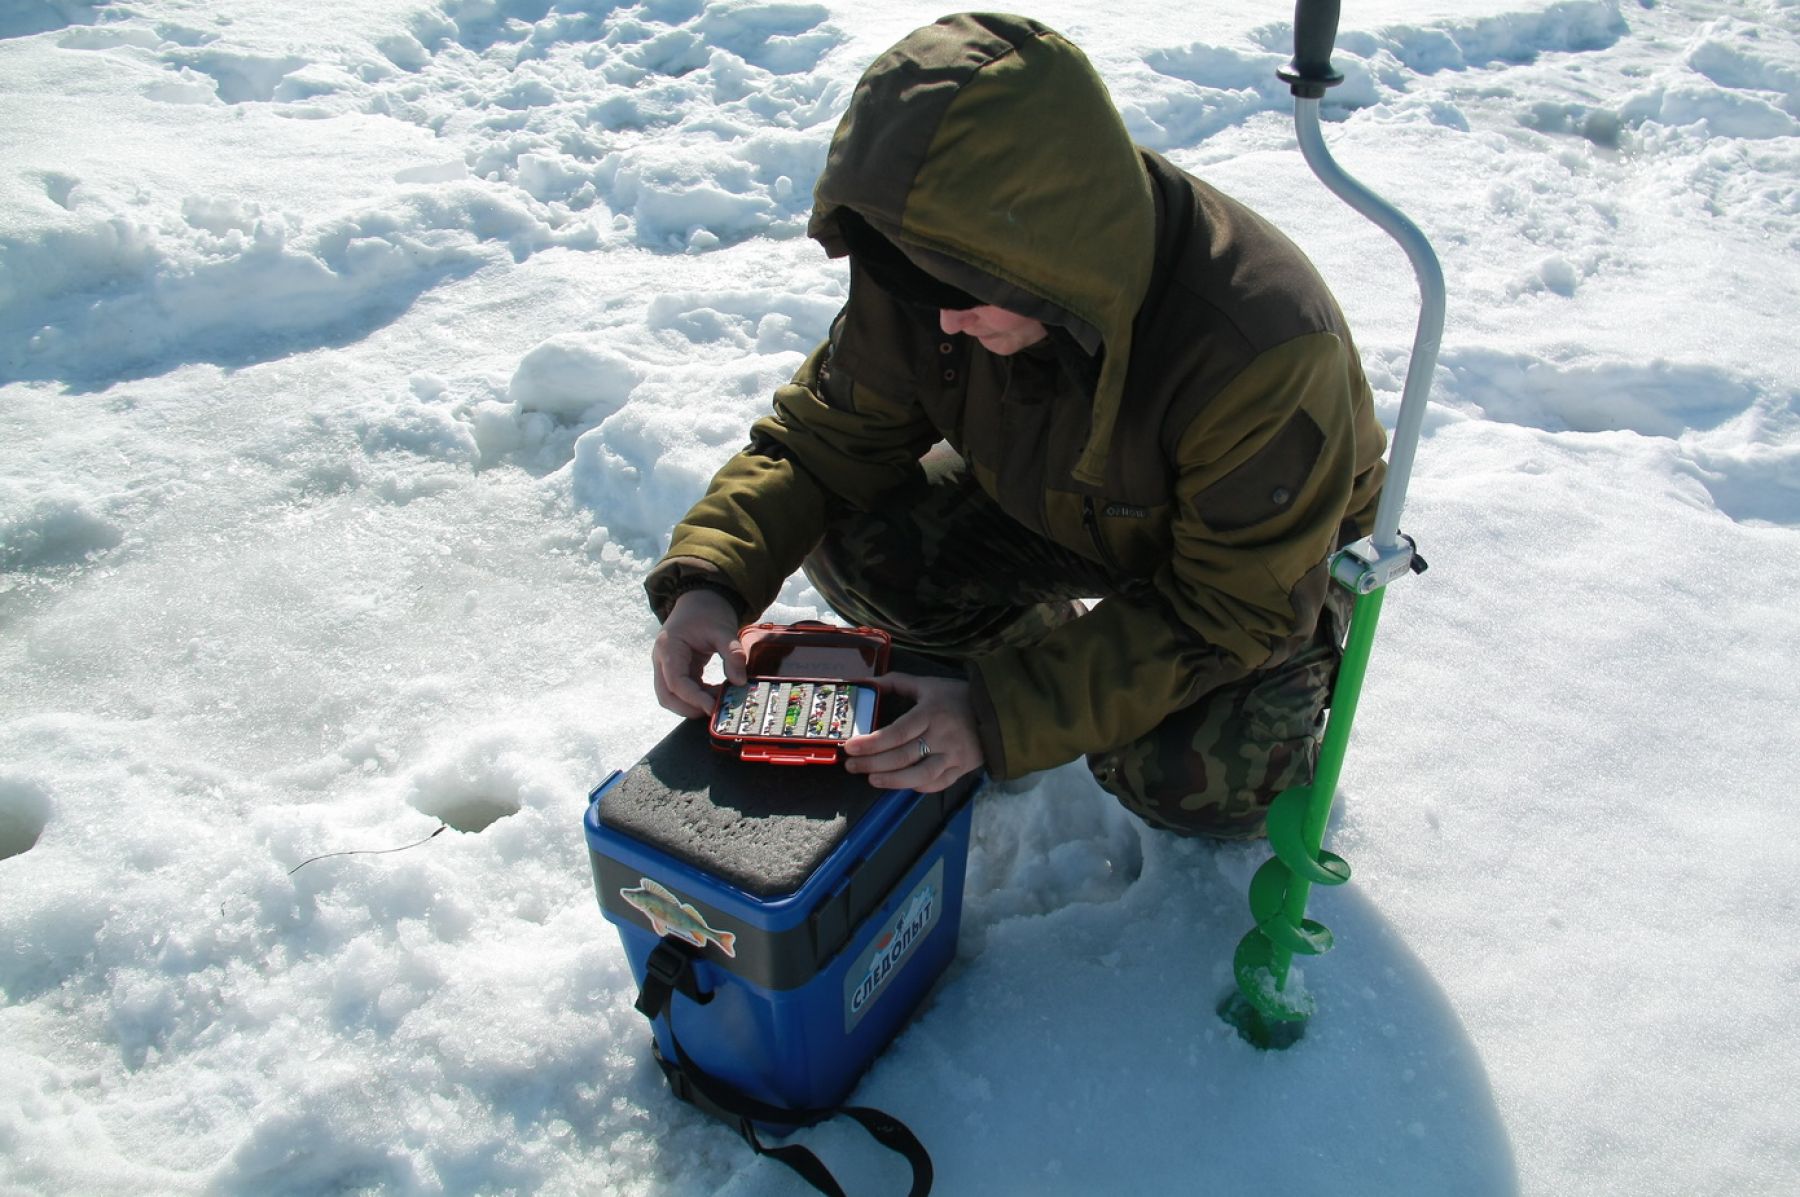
x=355 y=357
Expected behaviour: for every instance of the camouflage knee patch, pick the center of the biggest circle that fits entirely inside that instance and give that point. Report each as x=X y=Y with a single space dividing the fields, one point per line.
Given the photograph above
x=1214 y=767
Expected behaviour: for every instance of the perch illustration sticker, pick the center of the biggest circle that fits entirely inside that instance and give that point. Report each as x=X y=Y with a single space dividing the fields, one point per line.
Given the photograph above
x=881 y=961
x=669 y=915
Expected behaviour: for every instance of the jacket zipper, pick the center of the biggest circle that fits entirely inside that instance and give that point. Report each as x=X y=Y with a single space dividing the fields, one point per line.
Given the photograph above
x=1091 y=518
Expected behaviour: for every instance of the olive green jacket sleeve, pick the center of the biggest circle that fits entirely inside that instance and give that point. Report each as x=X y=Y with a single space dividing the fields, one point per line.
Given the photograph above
x=766 y=508
x=1261 y=491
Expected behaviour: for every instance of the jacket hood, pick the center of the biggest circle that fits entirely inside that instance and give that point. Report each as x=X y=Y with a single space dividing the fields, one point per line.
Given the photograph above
x=987 y=148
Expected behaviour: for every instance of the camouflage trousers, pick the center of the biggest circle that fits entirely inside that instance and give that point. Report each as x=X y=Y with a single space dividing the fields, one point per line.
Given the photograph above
x=950 y=575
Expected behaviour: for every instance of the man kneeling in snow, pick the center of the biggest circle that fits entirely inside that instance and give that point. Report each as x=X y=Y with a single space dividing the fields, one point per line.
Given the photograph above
x=1146 y=394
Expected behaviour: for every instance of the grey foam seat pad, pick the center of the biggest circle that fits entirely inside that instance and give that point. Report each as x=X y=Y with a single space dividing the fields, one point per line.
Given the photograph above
x=762 y=828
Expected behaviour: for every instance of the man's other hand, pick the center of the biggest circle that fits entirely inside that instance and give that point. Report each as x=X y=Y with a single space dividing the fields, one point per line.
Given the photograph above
x=928 y=747
x=701 y=625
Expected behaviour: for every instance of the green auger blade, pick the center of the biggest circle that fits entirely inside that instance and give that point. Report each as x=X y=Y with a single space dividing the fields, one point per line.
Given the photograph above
x=1287 y=838
x=1268 y=906
x=1253 y=967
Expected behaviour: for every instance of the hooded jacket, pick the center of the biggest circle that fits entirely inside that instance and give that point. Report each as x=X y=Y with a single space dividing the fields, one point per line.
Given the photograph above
x=1200 y=425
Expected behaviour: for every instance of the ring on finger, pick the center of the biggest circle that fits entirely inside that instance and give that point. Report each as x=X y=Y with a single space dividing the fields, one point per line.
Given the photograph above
x=924 y=748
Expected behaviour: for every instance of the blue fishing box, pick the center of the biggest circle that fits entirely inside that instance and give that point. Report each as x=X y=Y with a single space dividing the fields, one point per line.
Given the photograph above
x=807 y=912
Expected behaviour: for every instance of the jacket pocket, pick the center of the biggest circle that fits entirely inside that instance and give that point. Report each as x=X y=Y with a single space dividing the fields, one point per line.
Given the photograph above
x=1267 y=482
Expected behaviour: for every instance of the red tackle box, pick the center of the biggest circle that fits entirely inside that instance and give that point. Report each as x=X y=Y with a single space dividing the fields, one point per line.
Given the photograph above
x=808 y=692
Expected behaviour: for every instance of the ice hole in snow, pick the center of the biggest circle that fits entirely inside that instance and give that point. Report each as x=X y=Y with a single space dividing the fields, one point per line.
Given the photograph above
x=24 y=813
x=467 y=812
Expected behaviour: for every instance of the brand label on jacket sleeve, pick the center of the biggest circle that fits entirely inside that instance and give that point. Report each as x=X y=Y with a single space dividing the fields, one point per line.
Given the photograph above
x=895 y=942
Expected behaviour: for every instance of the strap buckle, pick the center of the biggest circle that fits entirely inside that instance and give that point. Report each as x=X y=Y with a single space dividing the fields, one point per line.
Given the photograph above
x=667 y=964
x=670 y=968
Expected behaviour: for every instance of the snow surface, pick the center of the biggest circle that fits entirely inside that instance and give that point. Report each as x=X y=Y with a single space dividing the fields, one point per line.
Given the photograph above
x=357 y=356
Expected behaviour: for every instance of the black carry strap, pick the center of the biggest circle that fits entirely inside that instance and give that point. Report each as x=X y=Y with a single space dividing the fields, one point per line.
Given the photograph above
x=670 y=971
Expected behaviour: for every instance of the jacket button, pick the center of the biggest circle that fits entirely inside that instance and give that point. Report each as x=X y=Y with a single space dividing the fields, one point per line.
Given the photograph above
x=946 y=347
x=1280 y=496
x=949 y=375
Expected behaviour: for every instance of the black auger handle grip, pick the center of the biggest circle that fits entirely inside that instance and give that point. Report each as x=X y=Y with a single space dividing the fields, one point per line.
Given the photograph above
x=1315 y=32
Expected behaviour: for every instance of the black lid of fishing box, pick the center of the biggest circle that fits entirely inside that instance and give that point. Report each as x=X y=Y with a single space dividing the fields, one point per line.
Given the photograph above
x=762 y=828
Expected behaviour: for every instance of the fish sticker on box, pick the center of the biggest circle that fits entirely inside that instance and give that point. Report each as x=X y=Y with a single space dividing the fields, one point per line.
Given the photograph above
x=669 y=915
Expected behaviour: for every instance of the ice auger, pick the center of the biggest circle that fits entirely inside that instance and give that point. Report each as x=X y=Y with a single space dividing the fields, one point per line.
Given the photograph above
x=1263 y=1009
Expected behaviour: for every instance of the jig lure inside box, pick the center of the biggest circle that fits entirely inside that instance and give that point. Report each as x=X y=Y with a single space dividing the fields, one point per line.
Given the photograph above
x=800 y=914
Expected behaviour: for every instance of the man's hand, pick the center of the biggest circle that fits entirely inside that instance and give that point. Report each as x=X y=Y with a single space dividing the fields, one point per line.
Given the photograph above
x=701 y=625
x=928 y=747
